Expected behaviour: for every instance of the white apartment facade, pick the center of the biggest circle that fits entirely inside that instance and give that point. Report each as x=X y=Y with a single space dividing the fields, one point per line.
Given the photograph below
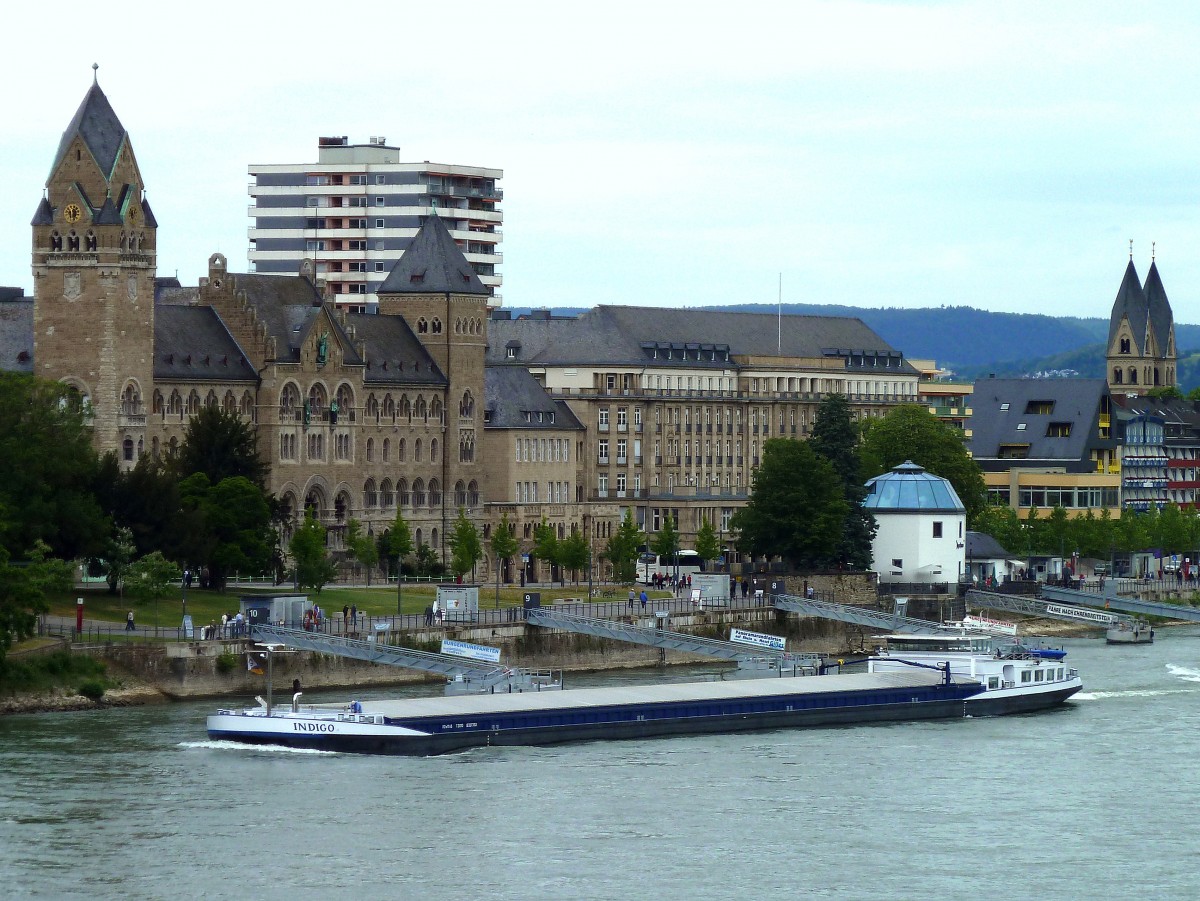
x=355 y=211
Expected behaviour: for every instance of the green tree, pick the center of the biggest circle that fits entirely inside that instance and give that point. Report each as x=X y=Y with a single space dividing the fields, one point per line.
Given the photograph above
x=666 y=541
x=314 y=569
x=911 y=432
x=427 y=561
x=23 y=592
x=1164 y=392
x=222 y=445
x=835 y=437
x=361 y=547
x=234 y=532
x=797 y=508
x=48 y=470
x=118 y=554
x=465 y=545
x=623 y=547
x=146 y=500
x=1003 y=524
x=573 y=553
x=504 y=546
x=545 y=544
x=708 y=545
x=399 y=545
x=150 y=578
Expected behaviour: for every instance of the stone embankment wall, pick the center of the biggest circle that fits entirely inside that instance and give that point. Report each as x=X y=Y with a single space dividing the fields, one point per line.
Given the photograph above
x=215 y=668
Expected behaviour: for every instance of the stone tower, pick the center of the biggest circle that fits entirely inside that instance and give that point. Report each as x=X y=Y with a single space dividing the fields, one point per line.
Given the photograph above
x=93 y=270
x=1141 y=335
x=435 y=290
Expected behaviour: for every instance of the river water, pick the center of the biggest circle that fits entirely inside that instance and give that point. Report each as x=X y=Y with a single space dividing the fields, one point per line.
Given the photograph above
x=1095 y=801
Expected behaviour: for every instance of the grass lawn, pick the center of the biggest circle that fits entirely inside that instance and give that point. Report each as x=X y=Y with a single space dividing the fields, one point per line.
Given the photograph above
x=207 y=606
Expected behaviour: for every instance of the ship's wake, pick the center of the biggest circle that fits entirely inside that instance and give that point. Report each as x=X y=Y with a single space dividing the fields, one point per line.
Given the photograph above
x=243 y=746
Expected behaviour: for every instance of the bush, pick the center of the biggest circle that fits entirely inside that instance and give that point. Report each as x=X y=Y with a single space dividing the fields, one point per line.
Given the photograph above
x=226 y=664
x=92 y=688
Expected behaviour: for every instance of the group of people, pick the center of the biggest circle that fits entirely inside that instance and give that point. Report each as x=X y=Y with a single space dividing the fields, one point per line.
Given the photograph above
x=434 y=614
x=662 y=581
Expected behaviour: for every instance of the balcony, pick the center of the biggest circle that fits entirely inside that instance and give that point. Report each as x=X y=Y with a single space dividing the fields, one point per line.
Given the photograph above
x=621 y=461
x=602 y=427
x=622 y=427
x=603 y=461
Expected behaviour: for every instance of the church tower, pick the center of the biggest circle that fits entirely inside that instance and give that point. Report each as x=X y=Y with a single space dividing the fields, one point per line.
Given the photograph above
x=439 y=295
x=93 y=271
x=1141 y=334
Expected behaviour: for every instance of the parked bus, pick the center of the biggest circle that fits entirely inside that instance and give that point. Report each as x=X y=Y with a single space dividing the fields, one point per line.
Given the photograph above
x=681 y=564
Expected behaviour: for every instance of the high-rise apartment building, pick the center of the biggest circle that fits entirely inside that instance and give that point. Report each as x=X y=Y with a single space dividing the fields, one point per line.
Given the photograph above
x=355 y=211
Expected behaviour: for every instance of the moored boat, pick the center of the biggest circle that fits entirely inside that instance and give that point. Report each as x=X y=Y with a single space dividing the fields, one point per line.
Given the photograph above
x=1014 y=678
x=1129 y=632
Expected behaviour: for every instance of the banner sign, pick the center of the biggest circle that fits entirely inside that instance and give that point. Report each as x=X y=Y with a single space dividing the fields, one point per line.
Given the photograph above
x=774 y=642
x=1079 y=613
x=990 y=625
x=473 y=651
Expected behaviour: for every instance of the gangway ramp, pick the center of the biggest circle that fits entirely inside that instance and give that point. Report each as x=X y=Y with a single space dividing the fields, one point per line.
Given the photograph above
x=548 y=618
x=1123 y=603
x=1071 y=608
x=477 y=672
x=861 y=616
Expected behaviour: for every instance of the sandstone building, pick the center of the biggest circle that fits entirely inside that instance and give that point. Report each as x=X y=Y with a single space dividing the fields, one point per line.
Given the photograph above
x=433 y=403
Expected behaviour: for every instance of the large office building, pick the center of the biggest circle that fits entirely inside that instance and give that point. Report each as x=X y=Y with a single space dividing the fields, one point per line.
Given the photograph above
x=355 y=210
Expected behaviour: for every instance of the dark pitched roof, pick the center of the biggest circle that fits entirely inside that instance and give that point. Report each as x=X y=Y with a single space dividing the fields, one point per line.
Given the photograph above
x=44 y=214
x=98 y=126
x=1130 y=303
x=982 y=546
x=16 y=335
x=147 y=215
x=611 y=334
x=1077 y=402
x=394 y=355
x=432 y=264
x=1158 y=308
x=193 y=343
x=510 y=393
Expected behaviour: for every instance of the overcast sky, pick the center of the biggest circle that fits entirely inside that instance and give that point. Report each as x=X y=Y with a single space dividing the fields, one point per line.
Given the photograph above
x=992 y=154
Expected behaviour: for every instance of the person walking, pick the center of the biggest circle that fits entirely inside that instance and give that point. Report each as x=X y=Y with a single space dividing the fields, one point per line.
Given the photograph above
x=643 y=599
x=129 y=627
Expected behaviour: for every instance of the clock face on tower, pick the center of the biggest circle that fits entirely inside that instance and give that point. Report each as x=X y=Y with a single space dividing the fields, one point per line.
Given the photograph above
x=72 y=212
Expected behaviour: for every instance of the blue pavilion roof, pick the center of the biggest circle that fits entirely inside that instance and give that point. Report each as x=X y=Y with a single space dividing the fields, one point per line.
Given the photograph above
x=909 y=488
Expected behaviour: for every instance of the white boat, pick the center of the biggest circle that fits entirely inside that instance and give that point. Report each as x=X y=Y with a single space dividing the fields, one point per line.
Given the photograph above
x=1015 y=678
x=1129 y=632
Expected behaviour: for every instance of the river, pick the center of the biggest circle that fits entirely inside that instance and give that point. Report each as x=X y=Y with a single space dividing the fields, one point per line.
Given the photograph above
x=1094 y=801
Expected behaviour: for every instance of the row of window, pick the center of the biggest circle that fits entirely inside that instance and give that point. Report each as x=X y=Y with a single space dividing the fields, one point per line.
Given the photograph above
x=556 y=493
x=1044 y=498
x=543 y=450
x=386 y=495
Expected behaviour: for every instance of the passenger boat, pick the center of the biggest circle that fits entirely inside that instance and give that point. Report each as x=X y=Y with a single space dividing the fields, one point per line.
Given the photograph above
x=894 y=689
x=1014 y=678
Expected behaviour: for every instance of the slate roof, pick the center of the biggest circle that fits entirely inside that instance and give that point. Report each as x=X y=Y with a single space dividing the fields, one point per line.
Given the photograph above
x=1131 y=304
x=909 y=488
x=1158 y=308
x=98 y=126
x=432 y=264
x=394 y=354
x=16 y=335
x=509 y=392
x=1075 y=401
x=193 y=343
x=632 y=335
x=982 y=546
